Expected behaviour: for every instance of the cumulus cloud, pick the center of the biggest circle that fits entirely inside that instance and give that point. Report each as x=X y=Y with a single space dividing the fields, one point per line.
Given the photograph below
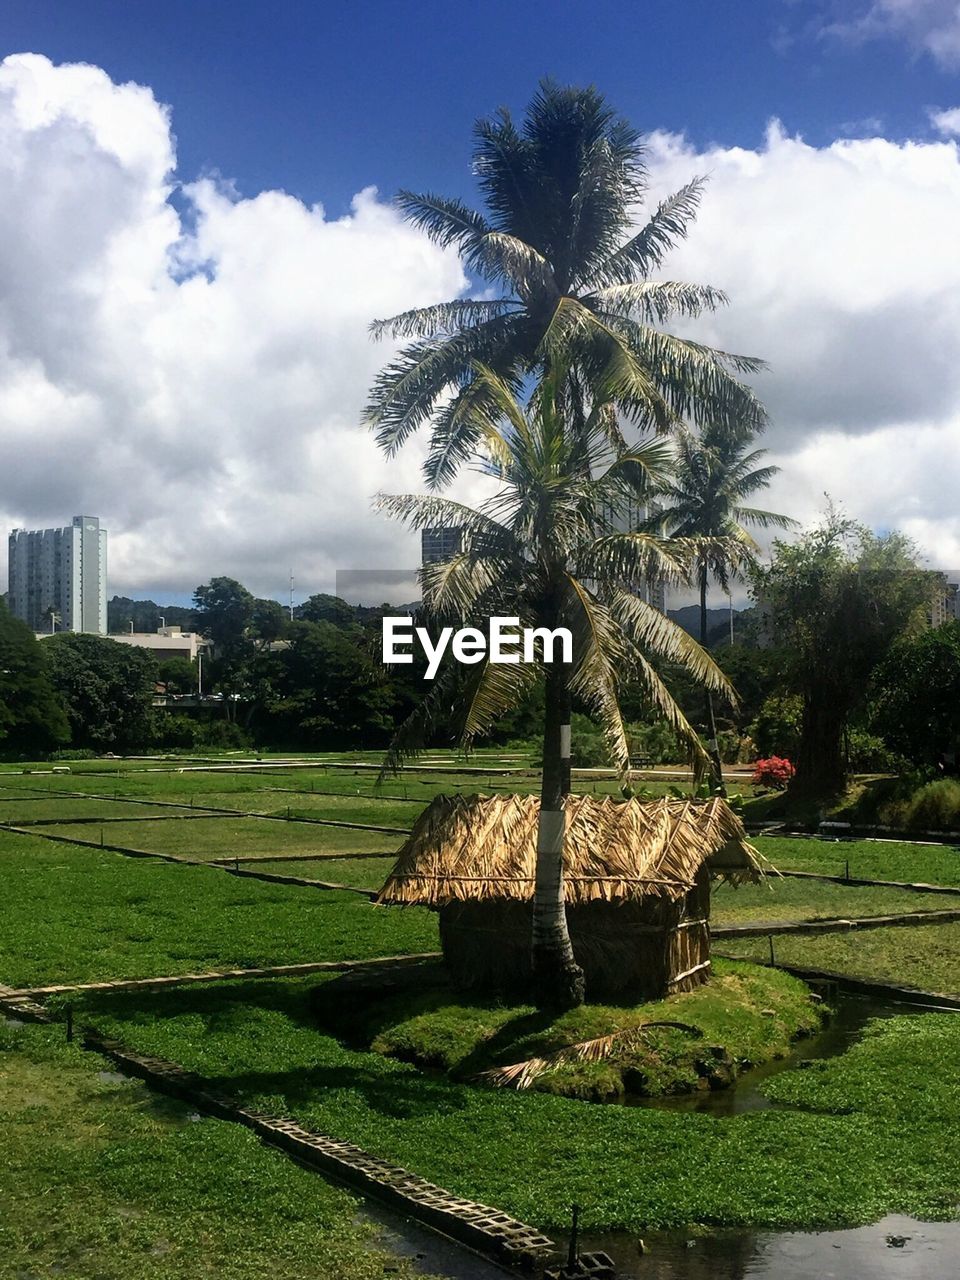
x=947 y=122
x=197 y=380
x=928 y=26
x=842 y=269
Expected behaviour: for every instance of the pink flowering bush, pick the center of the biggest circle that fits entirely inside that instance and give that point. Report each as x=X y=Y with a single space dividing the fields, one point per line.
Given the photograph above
x=775 y=771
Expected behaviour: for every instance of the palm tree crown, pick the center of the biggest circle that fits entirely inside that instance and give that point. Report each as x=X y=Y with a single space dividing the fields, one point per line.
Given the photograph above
x=546 y=550
x=571 y=275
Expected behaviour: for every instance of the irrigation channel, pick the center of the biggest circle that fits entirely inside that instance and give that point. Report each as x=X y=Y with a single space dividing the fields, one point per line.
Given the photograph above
x=896 y=1247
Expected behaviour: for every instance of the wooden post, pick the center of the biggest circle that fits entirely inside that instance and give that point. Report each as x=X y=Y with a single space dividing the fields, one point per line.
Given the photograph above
x=773 y=958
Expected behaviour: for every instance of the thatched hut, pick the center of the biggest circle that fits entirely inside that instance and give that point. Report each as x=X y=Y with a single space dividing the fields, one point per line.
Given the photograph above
x=637 y=884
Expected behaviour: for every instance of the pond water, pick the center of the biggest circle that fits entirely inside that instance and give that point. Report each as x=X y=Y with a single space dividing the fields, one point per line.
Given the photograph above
x=849 y=1016
x=895 y=1248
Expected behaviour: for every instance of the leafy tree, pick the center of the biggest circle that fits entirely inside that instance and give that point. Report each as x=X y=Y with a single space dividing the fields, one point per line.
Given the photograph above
x=715 y=472
x=328 y=693
x=179 y=675
x=107 y=689
x=326 y=608
x=838 y=599
x=223 y=610
x=917 y=696
x=573 y=280
x=546 y=550
x=32 y=717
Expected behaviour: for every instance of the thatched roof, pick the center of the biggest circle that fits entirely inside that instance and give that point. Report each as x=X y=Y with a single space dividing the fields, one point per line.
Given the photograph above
x=471 y=848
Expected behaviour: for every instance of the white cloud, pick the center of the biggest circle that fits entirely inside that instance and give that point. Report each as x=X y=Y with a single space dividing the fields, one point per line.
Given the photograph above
x=199 y=388
x=198 y=383
x=947 y=122
x=928 y=26
x=842 y=269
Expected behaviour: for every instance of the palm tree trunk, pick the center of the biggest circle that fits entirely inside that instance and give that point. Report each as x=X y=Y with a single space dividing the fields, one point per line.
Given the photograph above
x=713 y=747
x=557 y=978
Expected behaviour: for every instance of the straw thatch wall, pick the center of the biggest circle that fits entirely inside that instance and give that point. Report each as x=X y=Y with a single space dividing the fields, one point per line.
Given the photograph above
x=636 y=881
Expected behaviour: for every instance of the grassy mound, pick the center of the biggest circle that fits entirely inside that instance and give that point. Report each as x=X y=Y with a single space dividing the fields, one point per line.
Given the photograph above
x=744 y=1016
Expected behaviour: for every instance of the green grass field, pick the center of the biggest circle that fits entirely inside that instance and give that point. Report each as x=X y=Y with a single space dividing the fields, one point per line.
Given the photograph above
x=79 y=915
x=100 y=1178
x=75 y=914
x=895 y=1149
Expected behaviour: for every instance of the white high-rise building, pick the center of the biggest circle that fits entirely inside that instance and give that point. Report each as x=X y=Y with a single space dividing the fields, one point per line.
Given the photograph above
x=58 y=577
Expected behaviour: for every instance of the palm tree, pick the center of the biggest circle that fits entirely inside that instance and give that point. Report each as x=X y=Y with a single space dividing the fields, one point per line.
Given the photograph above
x=713 y=473
x=558 y=249
x=545 y=551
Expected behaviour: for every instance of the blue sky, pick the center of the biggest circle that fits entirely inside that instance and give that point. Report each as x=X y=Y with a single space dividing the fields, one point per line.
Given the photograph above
x=188 y=268
x=323 y=97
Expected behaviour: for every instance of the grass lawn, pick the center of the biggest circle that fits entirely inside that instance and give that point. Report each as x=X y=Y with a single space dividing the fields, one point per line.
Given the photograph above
x=896 y=1148
x=79 y=915
x=206 y=838
x=745 y=1016
x=100 y=1178
x=925 y=956
x=362 y=873
x=869 y=859
x=783 y=899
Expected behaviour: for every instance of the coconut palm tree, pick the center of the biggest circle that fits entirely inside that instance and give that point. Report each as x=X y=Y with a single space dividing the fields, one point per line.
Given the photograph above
x=545 y=551
x=559 y=250
x=713 y=473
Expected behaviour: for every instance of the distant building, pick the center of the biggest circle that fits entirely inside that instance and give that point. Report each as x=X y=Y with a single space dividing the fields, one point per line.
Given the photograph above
x=441 y=544
x=945 y=604
x=165 y=642
x=629 y=519
x=58 y=577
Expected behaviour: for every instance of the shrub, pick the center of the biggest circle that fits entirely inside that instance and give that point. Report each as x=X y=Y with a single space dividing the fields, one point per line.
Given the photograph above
x=866 y=753
x=935 y=807
x=776 y=730
x=775 y=772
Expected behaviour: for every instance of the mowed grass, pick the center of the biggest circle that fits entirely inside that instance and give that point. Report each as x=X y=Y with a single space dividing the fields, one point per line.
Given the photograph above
x=923 y=956
x=223 y=838
x=359 y=873
x=780 y=899
x=895 y=1149
x=868 y=859
x=65 y=808
x=78 y=915
x=100 y=1178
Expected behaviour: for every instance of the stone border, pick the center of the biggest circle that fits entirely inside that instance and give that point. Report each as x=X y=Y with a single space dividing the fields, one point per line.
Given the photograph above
x=855 y=985
x=488 y=1231
x=861 y=882
x=229 y=865
x=224 y=975
x=904 y=920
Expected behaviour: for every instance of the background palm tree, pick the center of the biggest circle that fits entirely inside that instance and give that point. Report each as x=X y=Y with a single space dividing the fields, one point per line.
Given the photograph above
x=713 y=473
x=545 y=551
x=558 y=247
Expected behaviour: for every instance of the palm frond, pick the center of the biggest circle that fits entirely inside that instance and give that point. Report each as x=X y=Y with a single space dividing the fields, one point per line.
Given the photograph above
x=646 y=250
x=652 y=631
x=597 y=650
x=444 y=220
x=443 y=318
x=655 y=301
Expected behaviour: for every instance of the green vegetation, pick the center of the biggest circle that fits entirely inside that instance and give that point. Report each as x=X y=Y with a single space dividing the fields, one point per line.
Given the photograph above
x=102 y=1178
x=78 y=915
x=433 y=1028
x=208 y=838
x=31 y=716
x=868 y=859
x=532 y=1154
x=926 y=956
x=786 y=899
x=361 y=873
